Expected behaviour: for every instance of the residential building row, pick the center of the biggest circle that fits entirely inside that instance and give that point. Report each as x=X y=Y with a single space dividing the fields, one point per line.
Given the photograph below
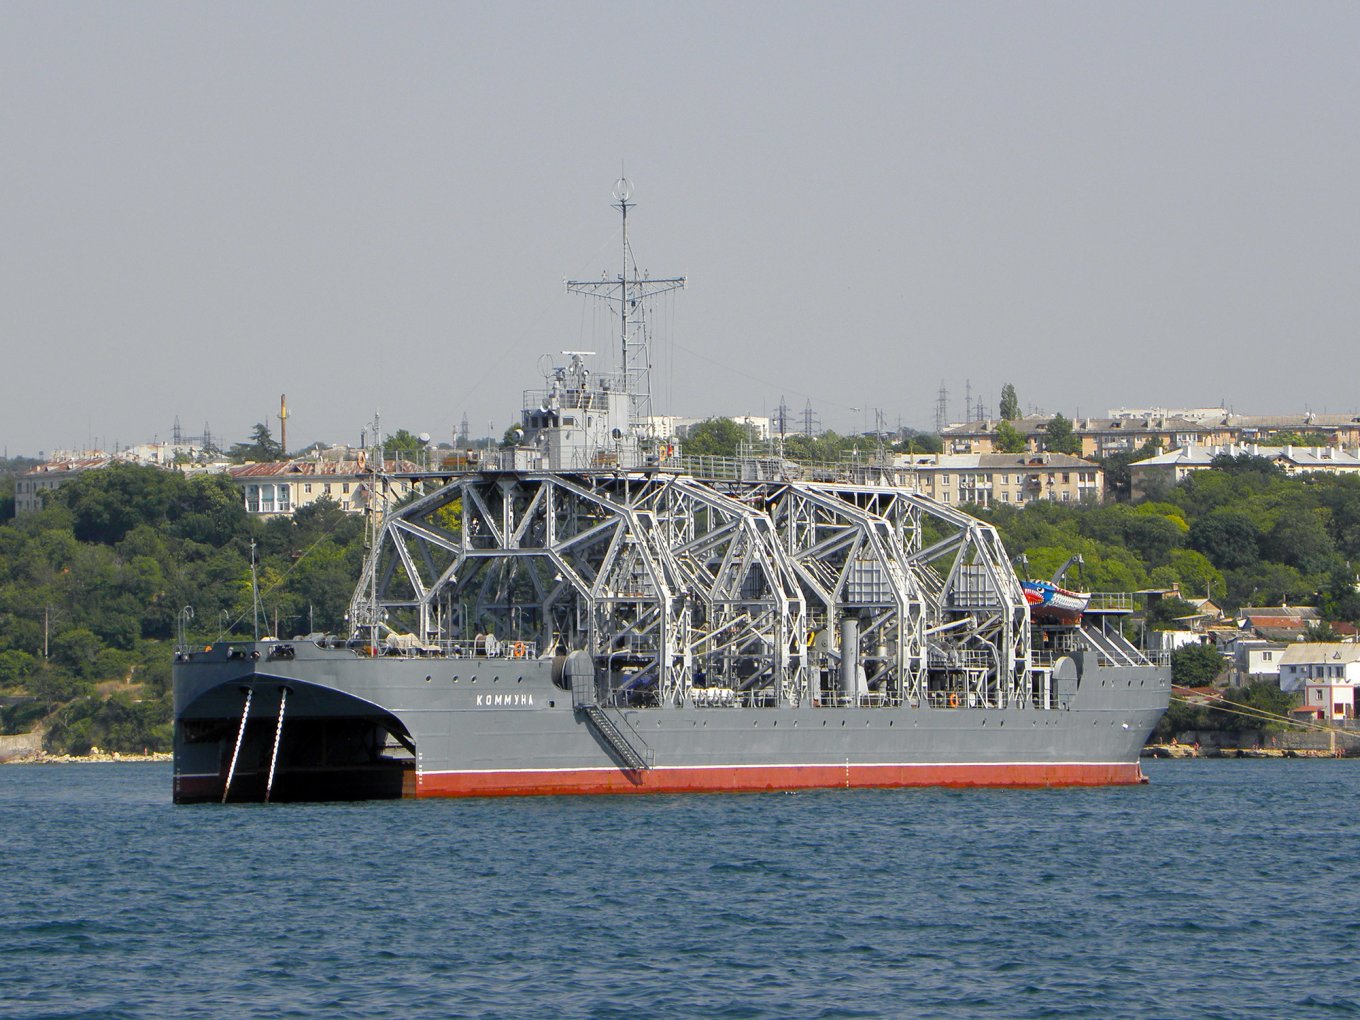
x=984 y=479
x=267 y=489
x=1166 y=469
x=1127 y=431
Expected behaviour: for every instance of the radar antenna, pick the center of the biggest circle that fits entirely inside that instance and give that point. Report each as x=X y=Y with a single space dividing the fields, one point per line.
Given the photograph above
x=630 y=292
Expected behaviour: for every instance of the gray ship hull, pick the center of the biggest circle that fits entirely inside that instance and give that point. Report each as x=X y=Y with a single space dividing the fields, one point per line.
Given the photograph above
x=300 y=721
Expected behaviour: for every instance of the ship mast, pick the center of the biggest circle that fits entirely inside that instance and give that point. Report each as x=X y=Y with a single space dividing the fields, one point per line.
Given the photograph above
x=630 y=293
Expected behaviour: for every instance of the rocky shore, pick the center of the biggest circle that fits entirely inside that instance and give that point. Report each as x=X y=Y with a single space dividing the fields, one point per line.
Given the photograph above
x=1191 y=751
x=96 y=755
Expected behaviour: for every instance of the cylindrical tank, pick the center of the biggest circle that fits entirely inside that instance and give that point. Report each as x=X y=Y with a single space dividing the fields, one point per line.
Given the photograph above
x=849 y=655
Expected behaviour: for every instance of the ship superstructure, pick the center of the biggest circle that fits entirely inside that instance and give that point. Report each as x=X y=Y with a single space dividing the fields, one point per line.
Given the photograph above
x=579 y=614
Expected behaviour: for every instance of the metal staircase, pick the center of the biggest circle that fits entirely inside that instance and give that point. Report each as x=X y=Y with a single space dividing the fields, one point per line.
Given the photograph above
x=1114 y=647
x=634 y=753
x=634 y=757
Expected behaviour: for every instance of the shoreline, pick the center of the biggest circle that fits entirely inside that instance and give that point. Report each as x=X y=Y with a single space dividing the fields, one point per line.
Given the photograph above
x=100 y=757
x=1185 y=751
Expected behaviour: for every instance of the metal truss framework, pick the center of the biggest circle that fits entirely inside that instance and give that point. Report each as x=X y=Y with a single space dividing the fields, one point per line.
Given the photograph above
x=685 y=591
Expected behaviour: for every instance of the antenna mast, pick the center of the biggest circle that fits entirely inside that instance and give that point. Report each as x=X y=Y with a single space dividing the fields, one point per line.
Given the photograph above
x=283 y=425
x=630 y=293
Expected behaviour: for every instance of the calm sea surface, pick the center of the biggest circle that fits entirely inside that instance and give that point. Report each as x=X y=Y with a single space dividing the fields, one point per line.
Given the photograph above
x=1223 y=889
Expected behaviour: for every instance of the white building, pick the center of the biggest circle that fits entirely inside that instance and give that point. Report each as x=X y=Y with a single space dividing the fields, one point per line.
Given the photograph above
x=1256 y=660
x=1325 y=664
x=1173 y=466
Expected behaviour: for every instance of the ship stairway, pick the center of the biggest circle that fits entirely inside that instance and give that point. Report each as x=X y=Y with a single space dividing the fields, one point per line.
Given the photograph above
x=636 y=758
x=1114 y=647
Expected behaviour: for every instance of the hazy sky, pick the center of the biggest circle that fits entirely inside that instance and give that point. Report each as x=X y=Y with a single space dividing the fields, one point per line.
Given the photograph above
x=373 y=206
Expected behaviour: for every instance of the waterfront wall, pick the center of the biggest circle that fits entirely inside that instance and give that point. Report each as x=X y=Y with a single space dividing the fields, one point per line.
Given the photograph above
x=20 y=745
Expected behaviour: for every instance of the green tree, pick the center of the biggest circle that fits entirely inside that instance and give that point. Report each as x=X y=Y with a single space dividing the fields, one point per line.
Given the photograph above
x=1059 y=436
x=1008 y=439
x=108 y=503
x=1320 y=439
x=1195 y=665
x=1168 y=613
x=1118 y=477
x=1180 y=718
x=77 y=649
x=716 y=437
x=1299 y=538
x=1258 y=706
x=262 y=446
x=1010 y=403
x=912 y=441
x=403 y=445
x=1195 y=574
x=1229 y=538
x=1322 y=632
x=15 y=666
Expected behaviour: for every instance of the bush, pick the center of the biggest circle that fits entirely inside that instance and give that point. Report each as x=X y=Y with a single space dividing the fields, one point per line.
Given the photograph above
x=1195 y=665
x=23 y=717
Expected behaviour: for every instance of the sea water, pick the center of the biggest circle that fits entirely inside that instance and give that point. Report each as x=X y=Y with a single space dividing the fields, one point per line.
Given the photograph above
x=1222 y=889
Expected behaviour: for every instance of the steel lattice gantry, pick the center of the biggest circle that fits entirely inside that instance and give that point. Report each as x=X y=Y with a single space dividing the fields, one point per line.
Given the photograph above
x=665 y=581
x=737 y=589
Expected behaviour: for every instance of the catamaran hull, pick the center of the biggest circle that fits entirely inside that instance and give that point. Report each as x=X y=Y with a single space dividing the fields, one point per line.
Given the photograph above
x=358 y=728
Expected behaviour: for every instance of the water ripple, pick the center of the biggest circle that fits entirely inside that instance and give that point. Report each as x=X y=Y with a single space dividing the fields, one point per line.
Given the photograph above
x=1224 y=889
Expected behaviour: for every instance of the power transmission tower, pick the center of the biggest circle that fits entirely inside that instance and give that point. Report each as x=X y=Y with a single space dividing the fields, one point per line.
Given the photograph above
x=941 y=408
x=809 y=420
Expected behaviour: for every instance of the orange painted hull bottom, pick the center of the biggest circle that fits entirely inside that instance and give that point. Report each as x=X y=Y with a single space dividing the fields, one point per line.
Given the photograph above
x=771 y=777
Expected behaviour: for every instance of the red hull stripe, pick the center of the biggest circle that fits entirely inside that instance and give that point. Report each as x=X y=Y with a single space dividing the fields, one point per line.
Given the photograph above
x=772 y=777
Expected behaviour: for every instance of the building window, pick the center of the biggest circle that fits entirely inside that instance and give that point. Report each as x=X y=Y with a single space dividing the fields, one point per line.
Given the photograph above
x=1266 y=656
x=307 y=488
x=945 y=497
x=266 y=499
x=344 y=487
x=1005 y=497
x=253 y=499
x=327 y=490
x=1067 y=496
x=285 y=498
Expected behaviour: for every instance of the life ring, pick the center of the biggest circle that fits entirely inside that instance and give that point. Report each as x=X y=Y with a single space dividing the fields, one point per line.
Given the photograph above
x=953 y=700
x=517 y=650
x=362 y=459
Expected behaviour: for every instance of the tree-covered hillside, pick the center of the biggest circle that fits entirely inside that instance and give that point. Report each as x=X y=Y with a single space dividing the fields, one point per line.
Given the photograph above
x=1243 y=533
x=93 y=588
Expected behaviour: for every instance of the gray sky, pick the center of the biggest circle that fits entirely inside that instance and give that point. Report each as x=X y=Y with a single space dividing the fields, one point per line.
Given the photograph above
x=374 y=206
